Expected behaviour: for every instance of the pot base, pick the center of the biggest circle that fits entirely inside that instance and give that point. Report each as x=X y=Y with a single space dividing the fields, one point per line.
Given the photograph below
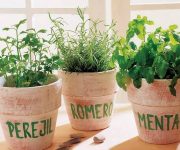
x=157 y=143
x=89 y=129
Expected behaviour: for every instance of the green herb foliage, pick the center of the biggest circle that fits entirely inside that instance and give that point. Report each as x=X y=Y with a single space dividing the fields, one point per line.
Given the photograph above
x=24 y=60
x=83 y=50
x=154 y=55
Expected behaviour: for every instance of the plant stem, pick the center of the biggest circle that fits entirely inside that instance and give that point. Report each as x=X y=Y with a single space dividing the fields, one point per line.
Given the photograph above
x=17 y=46
x=30 y=57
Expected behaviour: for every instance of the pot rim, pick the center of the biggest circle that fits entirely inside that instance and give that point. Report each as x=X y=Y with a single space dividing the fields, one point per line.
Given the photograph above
x=160 y=80
x=88 y=73
x=34 y=87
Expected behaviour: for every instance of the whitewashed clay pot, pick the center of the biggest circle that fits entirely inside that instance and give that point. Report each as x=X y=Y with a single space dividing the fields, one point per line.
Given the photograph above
x=89 y=98
x=156 y=111
x=28 y=115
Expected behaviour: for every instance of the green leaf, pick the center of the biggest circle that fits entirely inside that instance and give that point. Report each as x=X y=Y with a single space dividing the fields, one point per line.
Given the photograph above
x=172 y=39
x=148 y=74
x=130 y=62
x=149 y=22
x=176 y=37
x=137 y=82
x=178 y=51
x=122 y=79
x=172 y=90
x=161 y=47
x=139 y=17
x=141 y=56
x=13 y=58
x=135 y=72
x=130 y=34
x=122 y=62
x=133 y=45
x=23 y=32
x=20 y=23
x=26 y=56
x=161 y=66
x=173 y=27
x=6 y=29
x=3 y=51
x=170 y=56
x=173 y=84
x=159 y=29
x=152 y=37
x=42 y=31
x=177 y=65
x=80 y=13
x=140 y=31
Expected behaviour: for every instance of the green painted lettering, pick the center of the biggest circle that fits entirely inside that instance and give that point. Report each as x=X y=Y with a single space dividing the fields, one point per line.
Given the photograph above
x=110 y=109
x=97 y=106
x=149 y=116
x=34 y=129
x=168 y=120
x=17 y=130
x=10 y=127
x=142 y=119
x=43 y=131
x=80 y=111
x=159 y=124
x=176 y=122
x=50 y=128
x=105 y=110
x=89 y=109
x=47 y=126
x=74 y=112
x=25 y=129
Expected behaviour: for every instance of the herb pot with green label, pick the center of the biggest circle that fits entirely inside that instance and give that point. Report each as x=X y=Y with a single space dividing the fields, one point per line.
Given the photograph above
x=89 y=98
x=156 y=111
x=30 y=94
x=88 y=74
x=149 y=69
x=28 y=115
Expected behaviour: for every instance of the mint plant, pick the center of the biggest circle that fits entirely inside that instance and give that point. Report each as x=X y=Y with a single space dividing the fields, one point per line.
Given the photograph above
x=24 y=60
x=83 y=50
x=151 y=56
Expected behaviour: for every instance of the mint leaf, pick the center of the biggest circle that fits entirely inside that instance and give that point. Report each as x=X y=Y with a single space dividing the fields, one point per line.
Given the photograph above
x=137 y=82
x=172 y=85
x=122 y=79
x=148 y=74
x=129 y=35
x=135 y=72
x=178 y=51
x=176 y=37
x=122 y=62
x=161 y=66
x=141 y=57
x=173 y=27
x=133 y=45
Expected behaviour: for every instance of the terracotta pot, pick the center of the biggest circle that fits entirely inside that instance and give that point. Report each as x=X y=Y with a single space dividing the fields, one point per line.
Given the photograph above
x=89 y=98
x=28 y=115
x=156 y=111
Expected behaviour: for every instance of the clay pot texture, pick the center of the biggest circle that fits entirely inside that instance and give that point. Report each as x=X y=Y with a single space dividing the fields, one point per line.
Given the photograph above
x=156 y=111
x=89 y=98
x=28 y=115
